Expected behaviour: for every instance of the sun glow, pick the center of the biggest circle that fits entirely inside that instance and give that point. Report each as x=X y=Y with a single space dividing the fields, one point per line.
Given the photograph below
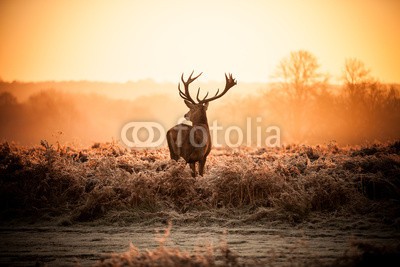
x=130 y=40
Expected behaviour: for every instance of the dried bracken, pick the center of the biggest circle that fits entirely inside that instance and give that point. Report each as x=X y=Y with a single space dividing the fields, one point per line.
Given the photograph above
x=100 y=182
x=169 y=256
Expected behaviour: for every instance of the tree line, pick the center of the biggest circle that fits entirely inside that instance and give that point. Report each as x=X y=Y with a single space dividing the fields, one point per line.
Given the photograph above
x=301 y=101
x=309 y=109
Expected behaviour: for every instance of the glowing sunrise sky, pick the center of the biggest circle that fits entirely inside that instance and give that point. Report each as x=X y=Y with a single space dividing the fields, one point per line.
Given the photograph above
x=130 y=40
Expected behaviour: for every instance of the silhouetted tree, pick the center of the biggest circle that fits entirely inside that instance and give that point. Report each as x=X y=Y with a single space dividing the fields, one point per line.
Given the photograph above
x=356 y=77
x=300 y=82
x=7 y=99
x=299 y=76
x=369 y=106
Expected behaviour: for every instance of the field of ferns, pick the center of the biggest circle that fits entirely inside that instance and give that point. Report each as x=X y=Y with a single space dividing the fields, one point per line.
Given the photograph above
x=109 y=185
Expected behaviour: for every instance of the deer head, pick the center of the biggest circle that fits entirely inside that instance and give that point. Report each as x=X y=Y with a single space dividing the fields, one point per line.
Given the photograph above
x=197 y=110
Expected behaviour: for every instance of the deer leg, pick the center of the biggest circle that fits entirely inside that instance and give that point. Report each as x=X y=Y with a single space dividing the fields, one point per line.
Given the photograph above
x=202 y=163
x=171 y=147
x=193 y=167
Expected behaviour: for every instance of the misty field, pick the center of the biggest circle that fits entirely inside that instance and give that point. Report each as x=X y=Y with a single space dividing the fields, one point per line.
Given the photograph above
x=294 y=205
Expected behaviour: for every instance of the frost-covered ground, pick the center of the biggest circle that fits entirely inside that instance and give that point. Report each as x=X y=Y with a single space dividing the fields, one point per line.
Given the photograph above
x=296 y=204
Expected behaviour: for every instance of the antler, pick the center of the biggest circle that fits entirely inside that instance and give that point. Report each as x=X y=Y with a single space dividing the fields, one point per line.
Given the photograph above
x=230 y=82
x=185 y=95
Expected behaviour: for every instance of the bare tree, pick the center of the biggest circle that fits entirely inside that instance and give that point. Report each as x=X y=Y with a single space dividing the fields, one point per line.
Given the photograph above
x=299 y=75
x=357 y=78
x=299 y=81
x=7 y=99
x=370 y=106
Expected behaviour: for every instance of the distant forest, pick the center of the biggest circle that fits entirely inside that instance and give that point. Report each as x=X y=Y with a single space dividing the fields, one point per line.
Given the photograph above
x=301 y=102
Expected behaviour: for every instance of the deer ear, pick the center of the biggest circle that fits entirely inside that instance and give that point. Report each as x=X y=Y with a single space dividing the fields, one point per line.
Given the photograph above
x=189 y=104
x=206 y=105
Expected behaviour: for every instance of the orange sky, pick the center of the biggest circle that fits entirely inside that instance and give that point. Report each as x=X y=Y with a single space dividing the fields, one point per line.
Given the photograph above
x=130 y=40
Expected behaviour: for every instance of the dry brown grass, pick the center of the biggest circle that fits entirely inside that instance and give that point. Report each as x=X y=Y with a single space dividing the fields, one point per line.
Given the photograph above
x=359 y=253
x=53 y=181
x=169 y=256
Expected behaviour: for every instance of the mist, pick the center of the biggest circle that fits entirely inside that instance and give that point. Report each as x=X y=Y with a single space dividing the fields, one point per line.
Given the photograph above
x=79 y=119
x=332 y=113
x=329 y=115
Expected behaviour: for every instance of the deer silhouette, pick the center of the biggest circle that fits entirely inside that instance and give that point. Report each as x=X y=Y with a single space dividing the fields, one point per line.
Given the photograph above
x=193 y=143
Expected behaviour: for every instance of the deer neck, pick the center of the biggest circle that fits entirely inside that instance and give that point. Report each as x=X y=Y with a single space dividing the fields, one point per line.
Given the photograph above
x=201 y=120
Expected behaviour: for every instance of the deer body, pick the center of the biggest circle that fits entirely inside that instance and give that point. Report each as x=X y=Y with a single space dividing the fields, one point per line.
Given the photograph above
x=193 y=143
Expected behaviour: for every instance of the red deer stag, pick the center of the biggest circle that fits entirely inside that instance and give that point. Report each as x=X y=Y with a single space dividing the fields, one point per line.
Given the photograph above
x=193 y=143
